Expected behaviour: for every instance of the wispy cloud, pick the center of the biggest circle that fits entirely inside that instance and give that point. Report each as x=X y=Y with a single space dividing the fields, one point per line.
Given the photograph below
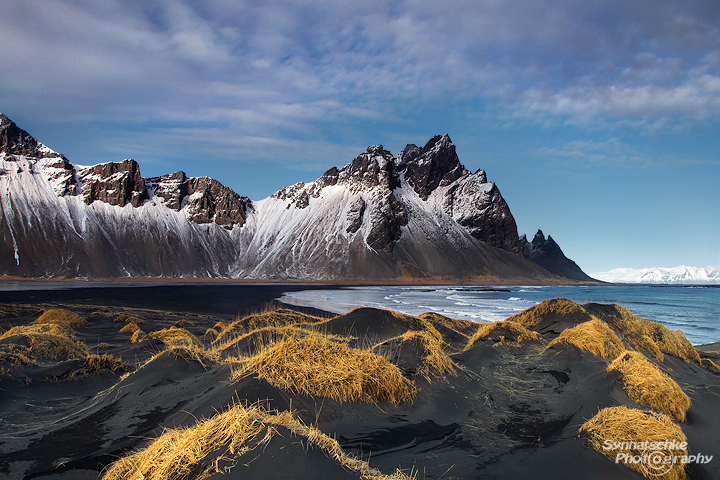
x=282 y=70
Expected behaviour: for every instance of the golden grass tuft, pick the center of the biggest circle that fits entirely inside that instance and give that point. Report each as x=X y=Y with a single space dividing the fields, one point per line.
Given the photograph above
x=648 y=385
x=211 y=332
x=534 y=315
x=128 y=318
x=594 y=336
x=176 y=337
x=463 y=327
x=182 y=323
x=138 y=336
x=654 y=338
x=270 y=317
x=129 y=328
x=497 y=330
x=710 y=364
x=622 y=424
x=435 y=361
x=60 y=316
x=45 y=340
x=95 y=364
x=316 y=365
x=212 y=446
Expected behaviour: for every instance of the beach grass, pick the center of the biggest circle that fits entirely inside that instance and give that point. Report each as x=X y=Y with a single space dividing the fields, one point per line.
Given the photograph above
x=557 y=306
x=176 y=337
x=44 y=340
x=594 y=336
x=648 y=385
x=623 y=424
x=313 y=364
x=503 y=331
x=212 y=445
x=129 y=328
x=138 y=336
x=61 y=316
x=654 y=338
x=128 y=318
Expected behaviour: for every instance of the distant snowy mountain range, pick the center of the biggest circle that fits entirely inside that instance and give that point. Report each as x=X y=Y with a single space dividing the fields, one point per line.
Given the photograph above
x=677 y=275
x=418 y=214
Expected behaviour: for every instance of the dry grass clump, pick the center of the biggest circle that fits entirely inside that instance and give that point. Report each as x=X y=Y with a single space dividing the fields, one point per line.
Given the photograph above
x=101 y=313
x=503 y=331
x=127 y=318
x=211 y=446
x=594 y=336
x=60 y=316
x=534 y=315
x=95 y=364
x=45 y=340
x=182 y=323
x=176 y=337
x=138 y=336
x=129 y=328
x=647 y=384
x=710 y=364
x=249 y=343
x=270 y=317
x=316 y=365
x=655 y=338
x=14 y=356
x=622 y=424
x=435 y=361
x=211 y=332
x=464 y=327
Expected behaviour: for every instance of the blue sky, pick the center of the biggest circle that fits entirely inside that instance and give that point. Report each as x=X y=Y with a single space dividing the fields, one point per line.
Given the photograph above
x=599 y=121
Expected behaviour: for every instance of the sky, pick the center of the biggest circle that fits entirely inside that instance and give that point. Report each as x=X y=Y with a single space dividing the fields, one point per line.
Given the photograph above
x=598 y=121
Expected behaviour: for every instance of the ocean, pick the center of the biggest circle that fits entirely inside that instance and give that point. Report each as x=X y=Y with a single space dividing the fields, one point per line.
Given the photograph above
x=693 y=309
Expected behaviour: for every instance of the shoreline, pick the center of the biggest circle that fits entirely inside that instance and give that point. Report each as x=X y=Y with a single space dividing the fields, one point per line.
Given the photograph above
x=400 y=281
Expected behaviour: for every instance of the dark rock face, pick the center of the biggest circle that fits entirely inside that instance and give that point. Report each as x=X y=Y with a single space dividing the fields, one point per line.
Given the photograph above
x=547 y=254
x=211 y=201
x=114 y=183
x=479 y=207
x=385 y=221
x=436 y=164
x=206 y=200
x=355 y=215
x=16 y=141
x=374 y=167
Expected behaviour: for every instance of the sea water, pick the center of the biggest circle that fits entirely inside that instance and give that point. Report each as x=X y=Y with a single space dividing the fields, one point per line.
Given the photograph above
x=693 y=309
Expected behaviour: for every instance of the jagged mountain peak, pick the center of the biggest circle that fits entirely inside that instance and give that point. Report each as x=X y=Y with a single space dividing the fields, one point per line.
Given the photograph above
x=16 y=141
x=434 y=165
x=548 y=254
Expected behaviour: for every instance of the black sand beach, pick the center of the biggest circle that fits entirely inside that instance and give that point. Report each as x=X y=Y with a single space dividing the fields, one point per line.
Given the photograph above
x=443 y=398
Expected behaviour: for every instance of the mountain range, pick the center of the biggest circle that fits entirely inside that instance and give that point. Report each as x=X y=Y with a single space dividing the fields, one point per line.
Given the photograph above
x=655 y=275
x=415 y=215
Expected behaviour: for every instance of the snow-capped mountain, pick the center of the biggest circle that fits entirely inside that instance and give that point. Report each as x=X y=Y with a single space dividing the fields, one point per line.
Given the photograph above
x=677 y=275
x=417 y=214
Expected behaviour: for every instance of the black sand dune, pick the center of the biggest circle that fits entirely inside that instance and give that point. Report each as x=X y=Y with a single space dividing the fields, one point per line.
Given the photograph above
x=490 y=402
